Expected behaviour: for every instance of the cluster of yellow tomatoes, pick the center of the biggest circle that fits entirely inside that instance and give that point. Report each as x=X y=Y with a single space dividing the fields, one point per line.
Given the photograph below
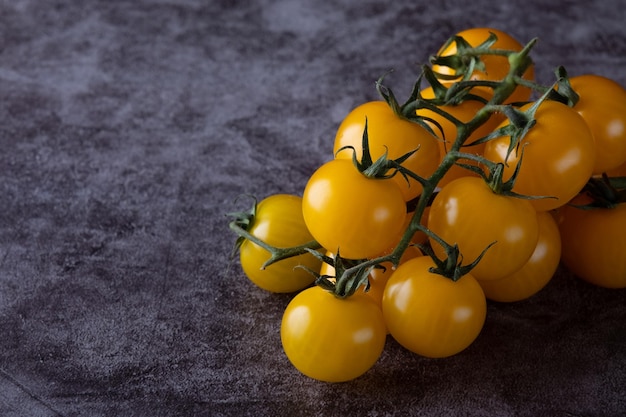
x=471 y=191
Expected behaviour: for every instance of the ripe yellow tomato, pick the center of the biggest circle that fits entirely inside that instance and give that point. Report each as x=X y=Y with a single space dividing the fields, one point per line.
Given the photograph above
x=429 y=314
x=351 y=214
x=332 y=339
x=278 y=221
x=466 y=212
x=558 y=156
x=391 y=135
x=594 y=243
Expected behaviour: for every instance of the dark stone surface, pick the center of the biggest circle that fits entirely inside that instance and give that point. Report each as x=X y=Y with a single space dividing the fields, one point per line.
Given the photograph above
x=128 y=128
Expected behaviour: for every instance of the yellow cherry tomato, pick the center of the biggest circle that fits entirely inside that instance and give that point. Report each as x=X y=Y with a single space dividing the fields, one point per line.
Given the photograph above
x=594 y=243
x=558 y=156
x=332 y=339
x=429 y=314
x=391 y=135
x=349 y=213
x=278 y=221
x=468 y=213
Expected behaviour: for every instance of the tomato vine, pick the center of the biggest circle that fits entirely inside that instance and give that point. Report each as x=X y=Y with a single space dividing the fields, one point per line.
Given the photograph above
x=466 y=61
x=393 y=198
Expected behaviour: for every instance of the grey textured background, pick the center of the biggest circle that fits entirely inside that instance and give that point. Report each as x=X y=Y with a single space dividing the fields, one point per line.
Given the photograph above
x=127 y=129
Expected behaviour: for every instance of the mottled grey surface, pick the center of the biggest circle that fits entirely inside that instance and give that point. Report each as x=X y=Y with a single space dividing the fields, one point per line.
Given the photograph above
x=127 y=129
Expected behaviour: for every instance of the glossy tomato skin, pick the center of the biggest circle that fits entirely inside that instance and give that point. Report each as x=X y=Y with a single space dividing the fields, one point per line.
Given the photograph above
x=332 y=339
x=496 y=67
x=279 y=222
x=388 y=133
x=602 y=103
x=594 y=243
x=468 y=213
x=558 y=156
x=535 y=274
x=429 y=314
x=447 y=131
x=347 y=211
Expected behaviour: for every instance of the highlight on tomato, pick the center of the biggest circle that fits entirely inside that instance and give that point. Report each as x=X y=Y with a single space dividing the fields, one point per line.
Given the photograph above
x=536 y=273
x=468 y=213
x=332 y=339
x=392 y=135
x=558 y=155
x=432 y=315
x=594 y=242
x=351 y=214
x=496 y=67
x=277 y=220
x=602 y=104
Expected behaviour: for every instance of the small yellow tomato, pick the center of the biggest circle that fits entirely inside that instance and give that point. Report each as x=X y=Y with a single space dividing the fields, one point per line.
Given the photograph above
x=351 y=214
x=468 y=213
x=278 y=221
x=391 y=135
x=429 y=314
x=558 y=156
x=332 y=339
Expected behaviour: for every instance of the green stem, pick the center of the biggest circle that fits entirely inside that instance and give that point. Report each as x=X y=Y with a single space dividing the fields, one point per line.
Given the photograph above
x=464 y=130
x=276 y=254
x=502 y=91
x=495 y=180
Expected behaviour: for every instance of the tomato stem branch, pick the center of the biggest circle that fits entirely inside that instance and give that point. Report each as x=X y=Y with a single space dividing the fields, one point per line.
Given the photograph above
x=353 y=273
x=276 y=254
x=501 y=91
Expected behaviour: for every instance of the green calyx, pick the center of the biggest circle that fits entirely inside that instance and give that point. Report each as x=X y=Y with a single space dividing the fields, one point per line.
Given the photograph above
x=456 y=93
x=350 y=275
x=560 y=91
x=563 y=91
x=383 y=167
x=466 y=60
x=407 y=110
x=451 y=266
x=605 y=192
